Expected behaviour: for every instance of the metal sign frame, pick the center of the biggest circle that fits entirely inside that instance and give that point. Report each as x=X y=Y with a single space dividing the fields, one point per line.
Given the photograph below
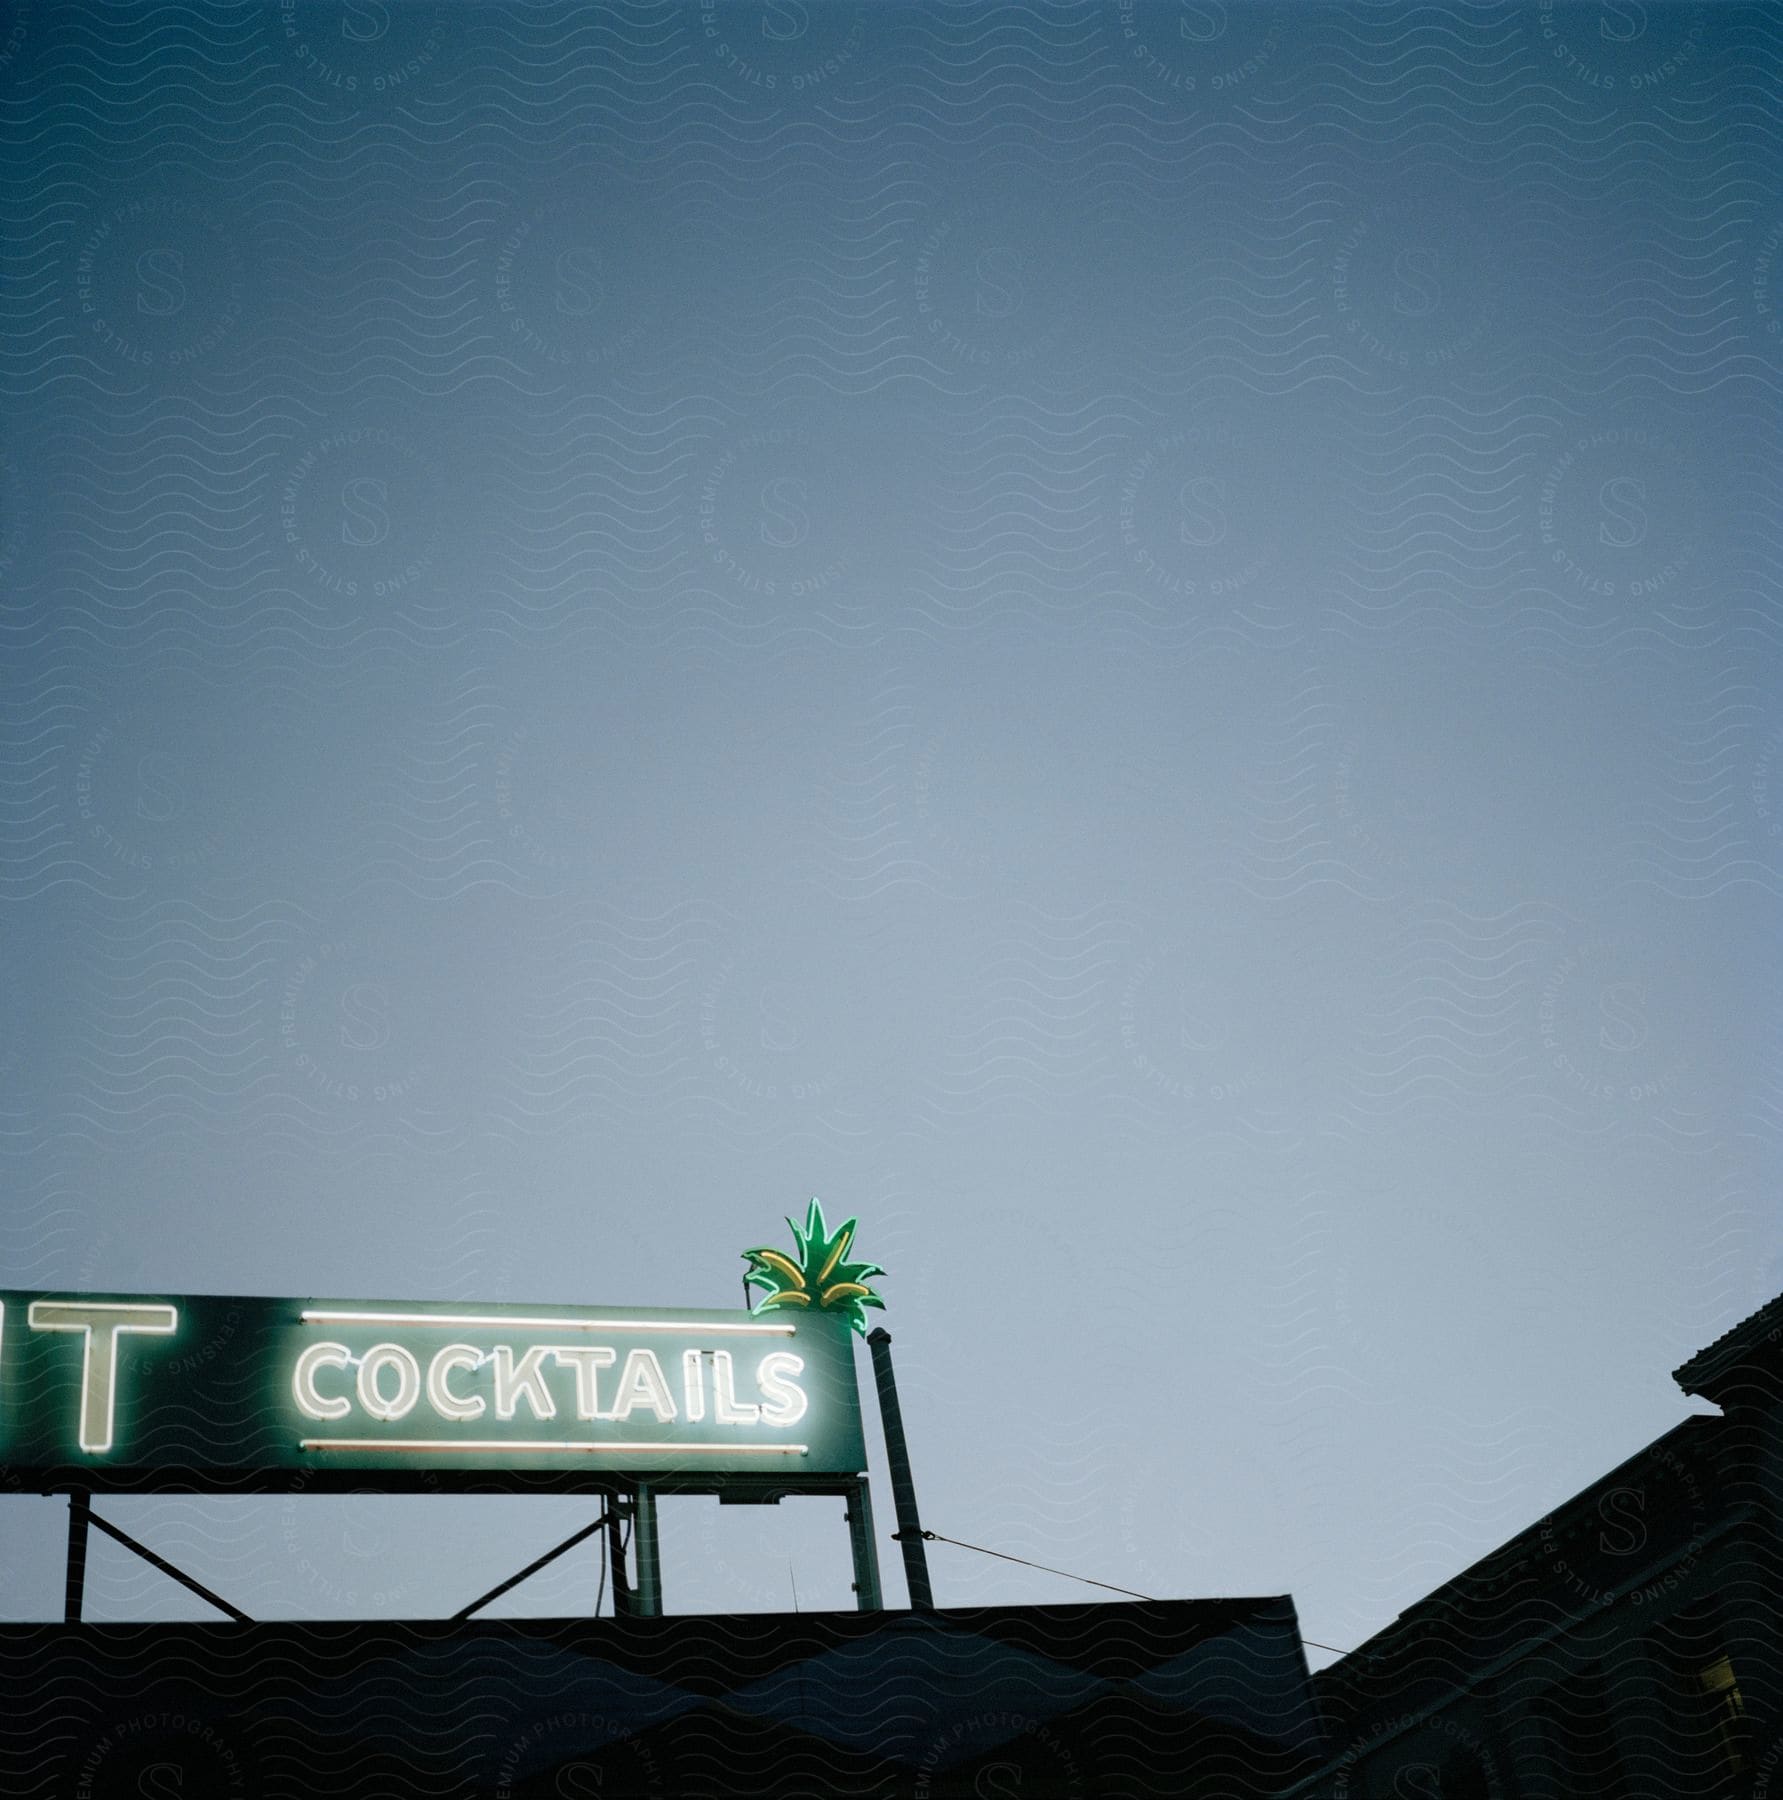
x=198 y=1393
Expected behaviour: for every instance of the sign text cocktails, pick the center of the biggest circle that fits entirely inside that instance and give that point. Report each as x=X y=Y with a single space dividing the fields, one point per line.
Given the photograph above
x=204 y=1393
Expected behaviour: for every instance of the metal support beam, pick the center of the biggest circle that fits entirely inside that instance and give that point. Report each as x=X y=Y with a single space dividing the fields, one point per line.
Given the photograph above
x=161 y=1563
x=80 y=1513
x=865 y=1548
x=622 y=1593
x=648 y=1548
x=532 y=1568
x=897 y=1455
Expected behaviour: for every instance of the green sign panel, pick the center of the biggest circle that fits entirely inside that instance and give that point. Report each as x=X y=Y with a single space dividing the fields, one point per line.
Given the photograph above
x=195 y=1392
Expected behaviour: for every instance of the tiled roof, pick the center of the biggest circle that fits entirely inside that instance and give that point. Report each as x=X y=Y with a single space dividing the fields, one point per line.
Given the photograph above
x=1753 y=1342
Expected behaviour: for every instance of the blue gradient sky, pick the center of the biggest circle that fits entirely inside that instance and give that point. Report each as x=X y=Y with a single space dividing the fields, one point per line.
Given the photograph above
x=1140 y=643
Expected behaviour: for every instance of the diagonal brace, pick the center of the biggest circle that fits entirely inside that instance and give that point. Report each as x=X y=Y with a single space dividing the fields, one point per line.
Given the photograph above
x=166 y=1568
x=532 y=1568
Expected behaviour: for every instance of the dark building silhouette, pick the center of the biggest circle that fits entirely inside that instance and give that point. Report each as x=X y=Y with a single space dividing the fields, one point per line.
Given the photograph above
x=1629 y=1646
x=1202 y=1698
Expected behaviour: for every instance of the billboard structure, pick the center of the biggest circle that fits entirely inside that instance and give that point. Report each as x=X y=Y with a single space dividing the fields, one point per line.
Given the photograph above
x=201 y=1393
x=198 y=1393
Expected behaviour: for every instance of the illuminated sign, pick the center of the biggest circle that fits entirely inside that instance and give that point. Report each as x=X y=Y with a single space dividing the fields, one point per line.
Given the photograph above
x=818 y=1277
x=200 y=1392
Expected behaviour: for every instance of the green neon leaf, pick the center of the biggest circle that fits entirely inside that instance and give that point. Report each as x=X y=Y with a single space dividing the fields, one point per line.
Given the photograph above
x=819 y=1277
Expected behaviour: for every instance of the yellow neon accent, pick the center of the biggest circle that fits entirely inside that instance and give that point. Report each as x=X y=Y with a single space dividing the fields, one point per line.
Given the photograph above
x=843 y=1287
x=785 y=1265
x=551 y=1448
x=823 y=1274
x=787 y=1299
x=692 y=1327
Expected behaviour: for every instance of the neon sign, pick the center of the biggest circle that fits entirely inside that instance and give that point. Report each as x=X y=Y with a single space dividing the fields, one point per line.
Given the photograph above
x=101 y=1324
x=199 y=1392
x=641 y=1384
x=820 y=1279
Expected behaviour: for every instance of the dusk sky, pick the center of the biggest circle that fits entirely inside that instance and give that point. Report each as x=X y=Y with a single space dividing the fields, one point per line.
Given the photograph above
x=1139 y=642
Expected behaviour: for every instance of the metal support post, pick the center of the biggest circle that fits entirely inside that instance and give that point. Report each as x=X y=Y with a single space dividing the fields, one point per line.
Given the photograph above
x=866 y=1551
x=897 y=1455
x=622 y=1594
x=649 y=1553
x=80 y=1514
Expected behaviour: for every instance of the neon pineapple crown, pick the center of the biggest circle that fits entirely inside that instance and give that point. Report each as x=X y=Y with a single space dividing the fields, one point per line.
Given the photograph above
x=820 y=1278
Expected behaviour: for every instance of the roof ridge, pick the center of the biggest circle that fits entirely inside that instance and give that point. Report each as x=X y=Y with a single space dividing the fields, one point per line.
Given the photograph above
x=1740 y=1343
